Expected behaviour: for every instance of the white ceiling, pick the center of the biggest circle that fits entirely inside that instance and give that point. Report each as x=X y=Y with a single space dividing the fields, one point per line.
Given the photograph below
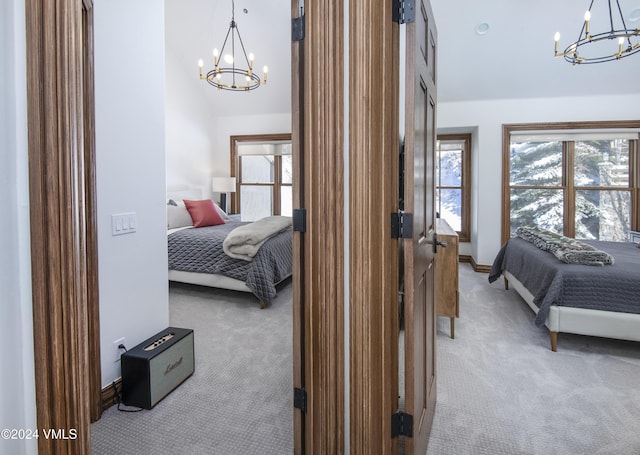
x=194 y=27
x=513 y=60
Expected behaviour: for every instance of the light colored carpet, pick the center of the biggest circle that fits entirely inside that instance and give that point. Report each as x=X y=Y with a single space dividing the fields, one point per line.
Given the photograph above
x=240 y=398
x=501 y=390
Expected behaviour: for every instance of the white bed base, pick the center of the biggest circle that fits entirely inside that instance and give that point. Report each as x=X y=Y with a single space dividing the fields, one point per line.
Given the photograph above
x=211 y=280
x=608 y=324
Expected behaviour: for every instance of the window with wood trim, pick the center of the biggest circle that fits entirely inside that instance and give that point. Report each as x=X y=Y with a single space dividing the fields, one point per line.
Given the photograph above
x=453 y=182
x=263 y=171
x=580 y=180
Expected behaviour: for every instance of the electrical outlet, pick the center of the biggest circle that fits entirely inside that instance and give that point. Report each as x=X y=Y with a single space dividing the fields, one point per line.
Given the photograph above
x=117 y=352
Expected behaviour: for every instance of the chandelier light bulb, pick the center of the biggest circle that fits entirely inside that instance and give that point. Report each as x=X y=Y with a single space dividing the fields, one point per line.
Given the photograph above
x=200 y=64
x=228 y=58
x=587 y=18
x=556 y=38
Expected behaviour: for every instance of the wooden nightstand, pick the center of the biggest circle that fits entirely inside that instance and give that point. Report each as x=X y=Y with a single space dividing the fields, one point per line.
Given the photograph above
x=447 y=298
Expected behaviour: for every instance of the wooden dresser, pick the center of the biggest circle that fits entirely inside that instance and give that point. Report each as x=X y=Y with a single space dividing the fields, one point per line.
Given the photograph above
x=447 y=274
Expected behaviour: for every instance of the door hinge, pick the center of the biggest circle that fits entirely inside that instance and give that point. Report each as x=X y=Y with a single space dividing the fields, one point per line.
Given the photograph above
x=300 y=220
x=401 y=424
x=403 y=11
x=297 y=28
x=401 y=225
x=300 y=398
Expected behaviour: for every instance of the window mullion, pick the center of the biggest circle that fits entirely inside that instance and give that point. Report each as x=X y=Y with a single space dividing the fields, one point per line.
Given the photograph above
x=569 y=189
x=634 y=181
x=277 y=180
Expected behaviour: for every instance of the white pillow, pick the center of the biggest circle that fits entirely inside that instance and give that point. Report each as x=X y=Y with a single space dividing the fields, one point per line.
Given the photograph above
x=178 y=216
x=222 y=213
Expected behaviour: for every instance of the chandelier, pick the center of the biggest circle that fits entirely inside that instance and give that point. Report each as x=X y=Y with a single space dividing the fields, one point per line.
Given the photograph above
x=601 y=47
x=232 y=76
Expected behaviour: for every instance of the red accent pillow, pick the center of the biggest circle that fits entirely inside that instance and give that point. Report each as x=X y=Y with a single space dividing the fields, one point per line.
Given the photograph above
x=203 y=213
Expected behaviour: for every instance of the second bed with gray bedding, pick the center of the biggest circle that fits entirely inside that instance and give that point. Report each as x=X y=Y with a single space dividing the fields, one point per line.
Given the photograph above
x=610 y=288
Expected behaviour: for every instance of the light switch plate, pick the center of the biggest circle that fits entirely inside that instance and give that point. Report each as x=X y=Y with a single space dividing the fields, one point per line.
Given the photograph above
x=123 y=223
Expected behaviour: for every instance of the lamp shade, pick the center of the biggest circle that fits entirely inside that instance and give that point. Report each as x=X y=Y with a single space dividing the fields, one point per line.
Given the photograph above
x=223 y=184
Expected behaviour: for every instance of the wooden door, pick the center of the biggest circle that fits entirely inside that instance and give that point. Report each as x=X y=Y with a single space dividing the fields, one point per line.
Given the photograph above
x=419 y=251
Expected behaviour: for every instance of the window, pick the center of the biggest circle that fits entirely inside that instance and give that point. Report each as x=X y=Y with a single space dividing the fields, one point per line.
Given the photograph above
x=263 y=170
x=582 y=183
x=453 y=186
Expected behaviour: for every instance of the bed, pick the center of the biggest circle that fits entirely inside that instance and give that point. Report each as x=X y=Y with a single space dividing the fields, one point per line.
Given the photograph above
x=581 y=299
x=196 y=255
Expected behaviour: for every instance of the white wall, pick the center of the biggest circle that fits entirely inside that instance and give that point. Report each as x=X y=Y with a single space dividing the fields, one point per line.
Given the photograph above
x=488 y=117
x=130 y=148
x=17 y=381
x=189 y=128
x=196 y=132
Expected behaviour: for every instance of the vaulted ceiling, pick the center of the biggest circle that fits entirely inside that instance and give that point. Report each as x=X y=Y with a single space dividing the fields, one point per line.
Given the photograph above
x=513 y=59
x=193 y=28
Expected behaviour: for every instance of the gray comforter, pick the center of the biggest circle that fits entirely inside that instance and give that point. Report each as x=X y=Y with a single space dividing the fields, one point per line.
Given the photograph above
x=612 y=288
x=200 y=250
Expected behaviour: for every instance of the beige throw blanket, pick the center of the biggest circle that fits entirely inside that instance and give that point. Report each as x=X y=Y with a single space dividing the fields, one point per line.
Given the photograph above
x=245 y=241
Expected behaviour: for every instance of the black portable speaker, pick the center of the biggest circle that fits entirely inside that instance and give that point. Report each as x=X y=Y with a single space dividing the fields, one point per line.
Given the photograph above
x=155 y=367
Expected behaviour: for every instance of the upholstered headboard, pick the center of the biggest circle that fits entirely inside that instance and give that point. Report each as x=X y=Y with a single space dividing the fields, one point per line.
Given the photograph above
x=180 y=192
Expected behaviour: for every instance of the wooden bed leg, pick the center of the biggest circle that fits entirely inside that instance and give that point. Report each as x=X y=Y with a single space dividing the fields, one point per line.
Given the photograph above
x=554 y=341
x=506 y=283
x=453 y=322
x=262 y=304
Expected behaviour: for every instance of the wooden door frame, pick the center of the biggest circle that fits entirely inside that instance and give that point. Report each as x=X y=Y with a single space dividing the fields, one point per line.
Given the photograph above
x=374 y=154
x=61 y=147
x=319 y=260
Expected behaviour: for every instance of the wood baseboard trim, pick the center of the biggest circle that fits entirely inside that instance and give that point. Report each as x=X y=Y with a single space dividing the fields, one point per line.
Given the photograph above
x=109 y=396
x=480 y=268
